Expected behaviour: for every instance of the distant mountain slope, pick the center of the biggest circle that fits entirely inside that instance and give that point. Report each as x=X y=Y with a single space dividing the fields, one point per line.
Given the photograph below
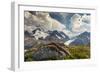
x=57 y=36
x=82 y=39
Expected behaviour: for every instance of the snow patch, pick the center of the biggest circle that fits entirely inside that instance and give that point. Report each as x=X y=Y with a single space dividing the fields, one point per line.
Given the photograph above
x=68 y=42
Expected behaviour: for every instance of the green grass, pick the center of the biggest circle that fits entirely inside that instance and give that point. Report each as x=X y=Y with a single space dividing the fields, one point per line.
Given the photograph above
x=28 y=55
x=79 y=52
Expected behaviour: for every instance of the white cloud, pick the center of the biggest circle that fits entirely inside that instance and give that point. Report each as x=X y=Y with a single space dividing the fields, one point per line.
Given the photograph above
x=86 y=18
x=76 y=23
x=47 y=22
x=56 y=25
x=85 y=21
x=80 y=23
x=51 y=23
x=27 y=14
x=42 y=20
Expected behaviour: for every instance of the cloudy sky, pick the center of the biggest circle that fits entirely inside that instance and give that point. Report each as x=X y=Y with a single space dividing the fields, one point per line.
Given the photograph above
x=71 y=23
x=75 y=23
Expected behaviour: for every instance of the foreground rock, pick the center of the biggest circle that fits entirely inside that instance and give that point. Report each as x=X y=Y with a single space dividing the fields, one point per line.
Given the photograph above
x=50 y=52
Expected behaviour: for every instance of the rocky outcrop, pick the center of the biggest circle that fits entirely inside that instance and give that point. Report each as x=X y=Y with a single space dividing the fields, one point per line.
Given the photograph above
x=51 y=51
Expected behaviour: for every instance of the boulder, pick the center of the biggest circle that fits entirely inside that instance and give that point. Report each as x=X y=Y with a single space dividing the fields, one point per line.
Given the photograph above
x=50 y=52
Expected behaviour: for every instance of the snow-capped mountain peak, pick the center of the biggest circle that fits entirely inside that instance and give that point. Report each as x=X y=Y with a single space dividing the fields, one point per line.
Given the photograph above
x=39 y=34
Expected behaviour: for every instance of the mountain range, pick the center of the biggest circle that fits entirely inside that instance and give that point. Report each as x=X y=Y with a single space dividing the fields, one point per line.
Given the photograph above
x=57 y=36
x=49 y=27
x=82 y=39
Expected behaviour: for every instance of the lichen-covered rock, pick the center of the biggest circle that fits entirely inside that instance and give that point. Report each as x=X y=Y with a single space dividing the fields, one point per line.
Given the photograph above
x=50 y=52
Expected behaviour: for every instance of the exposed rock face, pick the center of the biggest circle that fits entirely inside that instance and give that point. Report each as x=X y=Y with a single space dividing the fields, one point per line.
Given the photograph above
x=50 y=52
x=57 y=36
x=28 y=42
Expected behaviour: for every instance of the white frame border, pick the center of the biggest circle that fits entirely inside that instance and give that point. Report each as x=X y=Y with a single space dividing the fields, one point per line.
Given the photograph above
x=15 y=51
